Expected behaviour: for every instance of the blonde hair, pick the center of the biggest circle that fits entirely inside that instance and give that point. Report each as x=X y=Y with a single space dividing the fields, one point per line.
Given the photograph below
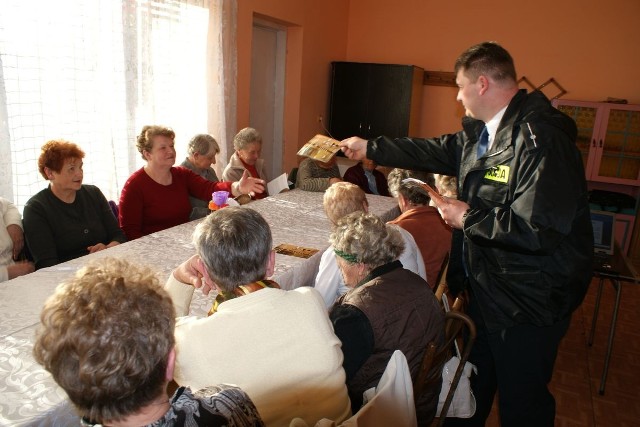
x=447 y=185
x=341 y=199
x=144 y=141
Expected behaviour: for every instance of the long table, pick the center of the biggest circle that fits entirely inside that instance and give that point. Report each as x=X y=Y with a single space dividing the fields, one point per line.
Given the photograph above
x=28 y=394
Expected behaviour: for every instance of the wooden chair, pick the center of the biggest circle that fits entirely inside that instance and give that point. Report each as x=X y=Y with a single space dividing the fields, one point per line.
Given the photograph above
x=459 y=330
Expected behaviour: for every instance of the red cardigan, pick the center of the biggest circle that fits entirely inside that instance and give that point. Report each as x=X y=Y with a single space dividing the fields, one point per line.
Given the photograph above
x=147 y=207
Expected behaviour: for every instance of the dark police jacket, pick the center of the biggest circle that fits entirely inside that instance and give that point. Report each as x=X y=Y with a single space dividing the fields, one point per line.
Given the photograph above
x=527 y=244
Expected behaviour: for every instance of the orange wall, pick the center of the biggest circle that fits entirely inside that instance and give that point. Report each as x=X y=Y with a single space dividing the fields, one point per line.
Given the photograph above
x=317 y=34
x=588 y=46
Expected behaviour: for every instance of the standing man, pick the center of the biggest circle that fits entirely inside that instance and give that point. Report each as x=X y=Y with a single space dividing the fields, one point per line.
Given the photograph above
x=522 y=241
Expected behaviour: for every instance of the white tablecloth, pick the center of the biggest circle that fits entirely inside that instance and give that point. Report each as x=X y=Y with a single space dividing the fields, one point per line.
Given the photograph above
x=29 y=395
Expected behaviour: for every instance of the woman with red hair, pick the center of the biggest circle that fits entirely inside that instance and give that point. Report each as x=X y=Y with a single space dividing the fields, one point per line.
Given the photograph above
x=67 y=219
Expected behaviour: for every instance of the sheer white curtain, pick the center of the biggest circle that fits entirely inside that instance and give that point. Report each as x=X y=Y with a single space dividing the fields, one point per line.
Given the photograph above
x=222 y=67
x=94 y=72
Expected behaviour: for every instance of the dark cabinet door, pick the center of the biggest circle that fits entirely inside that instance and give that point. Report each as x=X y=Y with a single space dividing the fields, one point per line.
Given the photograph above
x=389 y=100
x=347 y=105
x=369 y=100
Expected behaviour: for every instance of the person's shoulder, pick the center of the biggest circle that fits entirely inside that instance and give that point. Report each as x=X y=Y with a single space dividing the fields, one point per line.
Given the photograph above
x=307 y=161
x=187 y=164
x=41 y=197
x=183 y=174
x=307 y=293
x=89 y=188
x=136 y=176
x=226 y=402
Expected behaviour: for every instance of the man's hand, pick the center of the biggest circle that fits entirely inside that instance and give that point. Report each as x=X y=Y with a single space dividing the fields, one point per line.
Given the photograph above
x=249 y=185
x=354 y=148
x=452 y=211
x=193 y=272
x=334 y=180
x=17 y=237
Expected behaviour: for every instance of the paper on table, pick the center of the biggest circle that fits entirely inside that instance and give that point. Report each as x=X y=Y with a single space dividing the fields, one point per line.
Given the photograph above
x=278 y=184
x=435 y=196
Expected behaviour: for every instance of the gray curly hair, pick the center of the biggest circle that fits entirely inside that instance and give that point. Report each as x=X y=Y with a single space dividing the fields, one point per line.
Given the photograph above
x=245 y=137
x=410 y=191
x=368 y=238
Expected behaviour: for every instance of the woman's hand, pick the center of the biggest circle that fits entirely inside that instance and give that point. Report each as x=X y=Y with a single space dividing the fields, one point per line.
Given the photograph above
x=17 y=237
x=20 y=269
x=249 y=185
x=101 y=246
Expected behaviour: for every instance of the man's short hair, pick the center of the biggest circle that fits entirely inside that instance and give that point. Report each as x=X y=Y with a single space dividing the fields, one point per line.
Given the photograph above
x=234 y=244
x=341 y=199
x=489 y=59
x=105 y=337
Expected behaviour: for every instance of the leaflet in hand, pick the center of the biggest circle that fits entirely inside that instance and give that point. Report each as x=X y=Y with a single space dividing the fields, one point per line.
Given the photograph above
x=435 y=196
x=320 y=147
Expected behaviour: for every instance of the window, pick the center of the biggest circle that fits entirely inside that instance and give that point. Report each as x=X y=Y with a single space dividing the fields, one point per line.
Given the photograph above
x=94 y=72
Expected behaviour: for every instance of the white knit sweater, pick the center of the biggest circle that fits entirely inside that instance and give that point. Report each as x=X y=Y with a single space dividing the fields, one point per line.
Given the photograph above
x=276 y=345
x=9 y=214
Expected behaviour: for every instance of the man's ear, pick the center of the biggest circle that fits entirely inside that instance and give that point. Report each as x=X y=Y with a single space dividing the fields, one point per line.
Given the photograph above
x=483 y=83
x=271 y=264
x=171 y=364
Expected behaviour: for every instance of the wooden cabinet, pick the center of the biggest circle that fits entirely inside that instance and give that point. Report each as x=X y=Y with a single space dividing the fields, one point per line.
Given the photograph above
x=369 y=100
x=608 y=138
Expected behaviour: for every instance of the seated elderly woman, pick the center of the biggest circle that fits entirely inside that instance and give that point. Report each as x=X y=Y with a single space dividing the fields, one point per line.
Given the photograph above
x=156 y=196
x=107 y=339
x=201 y=154
x=339 y=200
x=386 y=308
x=314 y=175
x=11 y=242
x=248 y=146
x=67 y=219
x=277 y=345
x=418 y=217
x=366 y=176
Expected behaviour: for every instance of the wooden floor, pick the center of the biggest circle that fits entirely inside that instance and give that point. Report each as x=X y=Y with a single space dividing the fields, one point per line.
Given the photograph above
x=578 y=368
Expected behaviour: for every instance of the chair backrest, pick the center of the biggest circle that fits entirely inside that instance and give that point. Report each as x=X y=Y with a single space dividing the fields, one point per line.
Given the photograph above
x=292 y=178
x=457 y=324
x=390 y=403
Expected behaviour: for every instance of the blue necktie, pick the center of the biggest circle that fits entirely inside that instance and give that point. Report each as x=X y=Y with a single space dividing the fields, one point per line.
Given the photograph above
x=483 y=142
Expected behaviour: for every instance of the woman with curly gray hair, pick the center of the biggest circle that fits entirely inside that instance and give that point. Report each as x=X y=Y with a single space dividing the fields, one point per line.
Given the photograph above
x=387 y=308
x=107 y=338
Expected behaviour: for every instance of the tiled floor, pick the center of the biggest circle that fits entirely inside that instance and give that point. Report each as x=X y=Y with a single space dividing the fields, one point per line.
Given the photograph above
x=579 y=367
